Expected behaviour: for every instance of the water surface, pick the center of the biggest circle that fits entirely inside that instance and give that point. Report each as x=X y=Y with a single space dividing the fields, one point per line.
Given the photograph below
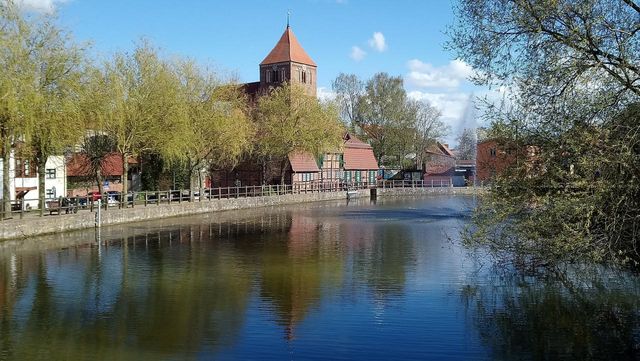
x=315 y=282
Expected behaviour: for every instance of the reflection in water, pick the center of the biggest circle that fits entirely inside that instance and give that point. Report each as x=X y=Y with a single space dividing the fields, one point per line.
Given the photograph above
x=590 y=314
x=362 y=281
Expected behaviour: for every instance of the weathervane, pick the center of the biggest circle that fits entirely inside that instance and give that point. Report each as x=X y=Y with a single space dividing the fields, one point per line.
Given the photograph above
x=288 y=16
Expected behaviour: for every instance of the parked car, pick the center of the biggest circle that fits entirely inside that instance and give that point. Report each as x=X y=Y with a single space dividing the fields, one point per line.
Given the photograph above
x=117 y=195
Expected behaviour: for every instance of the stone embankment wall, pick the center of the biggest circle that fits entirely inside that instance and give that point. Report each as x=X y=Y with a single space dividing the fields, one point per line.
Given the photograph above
x=33 y=226
x=389 y=192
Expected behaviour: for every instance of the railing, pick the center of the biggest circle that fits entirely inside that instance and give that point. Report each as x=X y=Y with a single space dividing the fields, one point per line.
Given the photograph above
x=440 y=183
x=28 y=207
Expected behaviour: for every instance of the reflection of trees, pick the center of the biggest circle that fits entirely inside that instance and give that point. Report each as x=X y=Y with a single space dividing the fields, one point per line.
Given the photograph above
x=128 y=301
x=297 y=268
x=385 y=263
x=594 y=317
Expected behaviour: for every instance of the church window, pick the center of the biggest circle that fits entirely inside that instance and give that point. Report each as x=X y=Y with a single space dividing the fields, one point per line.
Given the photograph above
x=275 y=76
x=304 y=77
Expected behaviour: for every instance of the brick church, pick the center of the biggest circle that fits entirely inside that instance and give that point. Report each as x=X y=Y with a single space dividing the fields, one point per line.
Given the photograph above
x=289 y=62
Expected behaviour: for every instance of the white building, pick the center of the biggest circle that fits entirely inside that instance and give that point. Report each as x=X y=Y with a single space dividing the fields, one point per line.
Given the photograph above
x=23 y=178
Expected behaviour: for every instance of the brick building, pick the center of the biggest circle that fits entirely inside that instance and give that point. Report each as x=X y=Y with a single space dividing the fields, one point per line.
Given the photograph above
x=355 y=162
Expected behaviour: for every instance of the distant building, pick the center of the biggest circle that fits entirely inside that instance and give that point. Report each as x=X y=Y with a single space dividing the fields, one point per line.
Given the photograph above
x=442 y=168
x=355 y=162
x=492 y=159
x=81 y=178
x=360 y=164
x=23 y=179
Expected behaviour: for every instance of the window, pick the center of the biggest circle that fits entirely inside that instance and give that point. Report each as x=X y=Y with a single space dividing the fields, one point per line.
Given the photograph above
x=51 y=173
x=492 y=152
x=274 y=76
x=24 y=169
x=358 y=175
x=372 y=176
x=50 y=193
x=303 y=77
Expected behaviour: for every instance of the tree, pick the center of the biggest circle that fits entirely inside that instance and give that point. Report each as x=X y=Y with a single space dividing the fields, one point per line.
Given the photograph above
x=17 y=90
x=143 y=111
x=56 y=107
x=349 y=91
x=289 y=121
x=467 y=144
x=218 y=128
x=428 y=128
x=572 y=71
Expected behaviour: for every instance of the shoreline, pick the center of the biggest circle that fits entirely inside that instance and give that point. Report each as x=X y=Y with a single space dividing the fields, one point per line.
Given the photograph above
x=20 y=229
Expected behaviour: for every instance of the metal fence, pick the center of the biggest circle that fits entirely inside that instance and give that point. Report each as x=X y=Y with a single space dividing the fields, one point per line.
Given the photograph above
x=440 y=183
x=118 y=200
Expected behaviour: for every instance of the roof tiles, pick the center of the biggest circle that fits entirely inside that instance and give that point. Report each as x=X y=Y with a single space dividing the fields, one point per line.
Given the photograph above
x=288 y=49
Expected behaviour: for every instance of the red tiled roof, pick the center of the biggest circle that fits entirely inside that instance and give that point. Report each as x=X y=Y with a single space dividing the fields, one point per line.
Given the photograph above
x=288 y=49
x=303 y=162
x=358 y=155
x=78 y=165
x=440 y=149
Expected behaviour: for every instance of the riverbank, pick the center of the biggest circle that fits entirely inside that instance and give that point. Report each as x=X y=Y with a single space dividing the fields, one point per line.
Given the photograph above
x=35 y=226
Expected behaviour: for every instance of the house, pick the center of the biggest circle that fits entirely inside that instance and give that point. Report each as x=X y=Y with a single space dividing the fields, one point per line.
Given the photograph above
x=439 y=165
x=496 y=156
x=24 y=183
x=360 y=164
x=492 y=159
x=303 y=170
x=81 y=179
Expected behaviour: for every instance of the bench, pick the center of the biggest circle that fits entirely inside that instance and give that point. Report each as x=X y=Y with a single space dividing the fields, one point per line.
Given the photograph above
x=54 y=206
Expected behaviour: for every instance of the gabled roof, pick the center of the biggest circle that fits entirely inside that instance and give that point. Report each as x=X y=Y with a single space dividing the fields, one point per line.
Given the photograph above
x=440 y=149
x=303 y=162
x=288 y=49
x=358 y=155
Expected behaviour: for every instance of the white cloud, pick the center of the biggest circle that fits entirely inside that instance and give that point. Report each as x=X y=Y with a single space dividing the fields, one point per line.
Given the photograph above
x=377 y=42
x=452 y=105
x=325 y=94
x=357 y=54
x=45 y=6
x=425 y=75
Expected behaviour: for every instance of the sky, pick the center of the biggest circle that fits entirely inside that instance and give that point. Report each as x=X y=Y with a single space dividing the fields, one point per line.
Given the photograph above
x=401 y=37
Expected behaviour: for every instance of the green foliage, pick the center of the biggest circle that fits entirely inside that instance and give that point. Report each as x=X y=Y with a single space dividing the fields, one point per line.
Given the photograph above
x=379 y=111
x=571 y=73
x=289 y=121
x=217 y=127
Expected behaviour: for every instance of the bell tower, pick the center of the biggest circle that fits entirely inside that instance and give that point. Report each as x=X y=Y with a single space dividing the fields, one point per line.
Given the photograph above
x=288 y=62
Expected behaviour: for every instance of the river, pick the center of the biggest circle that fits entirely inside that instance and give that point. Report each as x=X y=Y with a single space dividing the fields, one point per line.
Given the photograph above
x=357 y=281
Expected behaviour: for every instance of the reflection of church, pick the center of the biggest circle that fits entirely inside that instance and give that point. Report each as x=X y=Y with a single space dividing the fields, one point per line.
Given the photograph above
x=289 y=62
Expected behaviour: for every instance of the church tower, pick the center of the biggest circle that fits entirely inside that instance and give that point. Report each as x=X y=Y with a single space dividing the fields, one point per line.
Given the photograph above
x=288 y=62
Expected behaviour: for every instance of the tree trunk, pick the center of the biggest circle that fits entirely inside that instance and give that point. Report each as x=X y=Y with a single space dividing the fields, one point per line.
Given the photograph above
x=190 y=168
x=6 y=183
x=99 y=180
x=125 y=174
x=41 y=163
x=283 y=170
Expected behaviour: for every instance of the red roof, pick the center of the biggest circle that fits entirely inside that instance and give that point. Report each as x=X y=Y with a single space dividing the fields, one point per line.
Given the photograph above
x=440 y=149
x=303 y=162
x=78 y=165
x=358 y=155
x=288 y=49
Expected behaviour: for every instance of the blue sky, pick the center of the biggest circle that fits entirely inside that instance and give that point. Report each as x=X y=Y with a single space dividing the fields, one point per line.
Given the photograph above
x=400 y=37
